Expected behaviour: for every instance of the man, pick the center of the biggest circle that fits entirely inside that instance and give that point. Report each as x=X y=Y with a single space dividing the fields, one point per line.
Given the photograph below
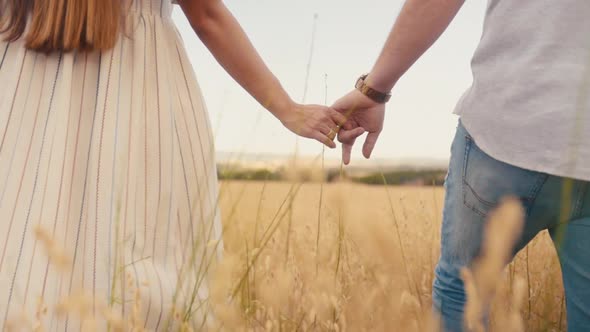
x=524 y=131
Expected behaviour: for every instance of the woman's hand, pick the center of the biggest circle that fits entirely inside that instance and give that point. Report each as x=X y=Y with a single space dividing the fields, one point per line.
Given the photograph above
x=313 y=121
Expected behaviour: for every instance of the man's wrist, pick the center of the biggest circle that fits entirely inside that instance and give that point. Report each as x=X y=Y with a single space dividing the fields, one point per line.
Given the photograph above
x=380 y=82
x=375 y=94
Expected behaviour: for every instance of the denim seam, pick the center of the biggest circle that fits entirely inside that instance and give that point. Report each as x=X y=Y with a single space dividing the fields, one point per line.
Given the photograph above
x=468 y=145
x=534 y=192
x=577 y=210
x=465 y=156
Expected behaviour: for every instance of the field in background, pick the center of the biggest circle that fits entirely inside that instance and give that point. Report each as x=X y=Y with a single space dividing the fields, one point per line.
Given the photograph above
x=385 y=171
x=368 y=266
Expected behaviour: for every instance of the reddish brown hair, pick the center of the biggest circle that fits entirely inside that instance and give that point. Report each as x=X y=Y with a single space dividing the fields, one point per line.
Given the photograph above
x=62 y=25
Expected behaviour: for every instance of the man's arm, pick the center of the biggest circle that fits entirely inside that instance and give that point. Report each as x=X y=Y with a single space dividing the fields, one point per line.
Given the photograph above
x=418 y=26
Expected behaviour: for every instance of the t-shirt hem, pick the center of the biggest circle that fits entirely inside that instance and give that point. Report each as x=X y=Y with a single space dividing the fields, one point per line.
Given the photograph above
x=536 y=166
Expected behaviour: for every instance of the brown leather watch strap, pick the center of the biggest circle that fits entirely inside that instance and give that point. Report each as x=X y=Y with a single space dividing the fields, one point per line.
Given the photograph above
x=376 y=96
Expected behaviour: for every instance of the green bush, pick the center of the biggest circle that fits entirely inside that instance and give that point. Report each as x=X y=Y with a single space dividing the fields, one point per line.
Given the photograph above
x=249 y=175
x=405 y=177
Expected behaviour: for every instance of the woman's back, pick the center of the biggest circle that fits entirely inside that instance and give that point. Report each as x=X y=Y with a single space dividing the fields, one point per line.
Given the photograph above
x=108 y=155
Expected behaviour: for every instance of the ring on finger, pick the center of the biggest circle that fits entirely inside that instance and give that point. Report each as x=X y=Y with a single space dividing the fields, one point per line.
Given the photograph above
x=332 y=134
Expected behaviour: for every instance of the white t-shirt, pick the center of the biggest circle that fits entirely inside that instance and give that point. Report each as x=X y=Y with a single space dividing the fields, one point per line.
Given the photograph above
x=529 y=104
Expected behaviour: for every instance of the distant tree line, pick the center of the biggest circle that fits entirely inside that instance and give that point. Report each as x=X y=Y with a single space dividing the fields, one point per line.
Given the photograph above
x=408 y=177
x=250 y=175
x=398 y=177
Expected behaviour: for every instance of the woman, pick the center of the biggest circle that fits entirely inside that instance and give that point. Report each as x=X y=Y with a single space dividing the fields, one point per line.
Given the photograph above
x=106 y=150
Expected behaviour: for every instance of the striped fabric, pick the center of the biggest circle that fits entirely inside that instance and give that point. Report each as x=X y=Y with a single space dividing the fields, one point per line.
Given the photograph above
x=107 y=158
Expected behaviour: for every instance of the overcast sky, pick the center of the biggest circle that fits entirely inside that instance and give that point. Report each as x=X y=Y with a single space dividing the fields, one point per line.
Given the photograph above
x=349 y=36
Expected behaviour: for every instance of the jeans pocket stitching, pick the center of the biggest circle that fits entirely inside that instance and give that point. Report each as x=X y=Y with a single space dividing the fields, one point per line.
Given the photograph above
x=479 y=198
x=473 y=207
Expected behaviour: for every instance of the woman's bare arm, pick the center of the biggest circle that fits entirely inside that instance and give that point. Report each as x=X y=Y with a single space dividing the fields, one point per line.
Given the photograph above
x=227 y=41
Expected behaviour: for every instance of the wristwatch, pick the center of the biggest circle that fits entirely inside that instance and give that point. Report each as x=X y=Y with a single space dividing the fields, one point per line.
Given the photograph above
x=376 y=96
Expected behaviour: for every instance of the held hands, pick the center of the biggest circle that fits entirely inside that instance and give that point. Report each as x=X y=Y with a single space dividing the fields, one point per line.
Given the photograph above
x=362 y=114
x=313 y=121
x=349 y=118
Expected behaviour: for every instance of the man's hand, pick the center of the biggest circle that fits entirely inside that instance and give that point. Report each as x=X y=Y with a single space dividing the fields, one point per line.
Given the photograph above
x=417 y=27
x=363 y=114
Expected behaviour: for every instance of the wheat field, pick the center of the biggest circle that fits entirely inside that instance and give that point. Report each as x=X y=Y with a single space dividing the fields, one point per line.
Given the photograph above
x=343 y=257
x=350 y=257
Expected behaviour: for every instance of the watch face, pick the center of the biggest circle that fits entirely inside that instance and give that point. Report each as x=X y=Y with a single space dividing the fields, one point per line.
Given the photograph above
x=359 y=82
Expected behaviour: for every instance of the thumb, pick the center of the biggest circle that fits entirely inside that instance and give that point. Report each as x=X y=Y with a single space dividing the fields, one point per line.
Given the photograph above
x=348 y=136
x=369 y=145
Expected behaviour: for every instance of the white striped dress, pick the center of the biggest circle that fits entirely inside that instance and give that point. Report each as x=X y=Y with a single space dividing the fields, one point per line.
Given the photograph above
x=111 y=155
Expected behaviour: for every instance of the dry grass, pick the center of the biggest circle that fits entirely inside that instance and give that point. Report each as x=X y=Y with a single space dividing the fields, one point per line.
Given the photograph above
x=371 y=269
x=340 y=257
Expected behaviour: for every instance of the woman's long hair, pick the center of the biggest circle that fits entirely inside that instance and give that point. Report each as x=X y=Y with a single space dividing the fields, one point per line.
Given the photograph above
x=62 y=25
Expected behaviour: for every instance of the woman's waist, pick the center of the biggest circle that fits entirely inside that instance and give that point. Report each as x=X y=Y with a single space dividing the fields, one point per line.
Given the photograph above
x=152 y=8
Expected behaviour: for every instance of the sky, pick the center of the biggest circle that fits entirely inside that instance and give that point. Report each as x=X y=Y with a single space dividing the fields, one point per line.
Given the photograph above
x=349 y=36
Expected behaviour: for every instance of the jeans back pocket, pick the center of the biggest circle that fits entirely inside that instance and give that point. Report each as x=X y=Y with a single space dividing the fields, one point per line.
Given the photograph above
x=487 y=180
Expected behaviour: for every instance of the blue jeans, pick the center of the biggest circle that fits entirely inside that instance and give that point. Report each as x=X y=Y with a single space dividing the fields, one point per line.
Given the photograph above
x=475 y=183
